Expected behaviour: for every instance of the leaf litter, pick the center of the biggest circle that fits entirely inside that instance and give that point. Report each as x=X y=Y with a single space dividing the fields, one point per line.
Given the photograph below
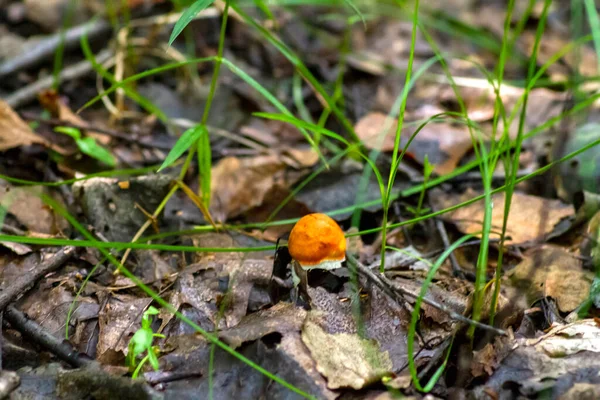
x=346 y=336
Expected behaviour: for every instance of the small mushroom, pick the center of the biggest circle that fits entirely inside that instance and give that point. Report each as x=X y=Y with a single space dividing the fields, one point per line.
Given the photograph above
x=316 y=242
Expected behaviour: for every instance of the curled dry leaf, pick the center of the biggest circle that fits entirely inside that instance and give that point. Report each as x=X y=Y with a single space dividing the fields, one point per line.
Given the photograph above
x=531 y=218
x=14 y=132
x=60 y=110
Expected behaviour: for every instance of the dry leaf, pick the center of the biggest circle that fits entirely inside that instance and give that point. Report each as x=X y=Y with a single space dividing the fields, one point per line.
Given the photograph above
x=443 y=143
x=240 y=184
x=346 y=360
x=14 y=132
x=570 y=339
x=531 y=218
x=552 y=272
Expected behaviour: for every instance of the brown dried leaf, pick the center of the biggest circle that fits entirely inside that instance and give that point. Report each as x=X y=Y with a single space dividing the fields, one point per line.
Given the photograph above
x=53 y=103
x=443 y=143
x=25 y=204
x=551 y=271
x=281 y=318
x=240 y=184
x=118 y=321
x=14 y=132
x=531 y=218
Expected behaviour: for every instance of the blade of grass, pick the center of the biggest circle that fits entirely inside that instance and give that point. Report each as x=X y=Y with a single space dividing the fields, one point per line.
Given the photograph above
x=511 y=178
x=386 y=201
x=187 y=17
x=302 y=69
x=594 y=20
x=60 y=50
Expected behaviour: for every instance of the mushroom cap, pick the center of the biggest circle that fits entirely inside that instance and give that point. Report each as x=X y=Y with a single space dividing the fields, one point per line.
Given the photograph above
x=317 y=241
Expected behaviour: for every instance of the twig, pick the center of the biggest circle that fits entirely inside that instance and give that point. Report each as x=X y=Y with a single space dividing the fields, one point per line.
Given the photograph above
x=46 y=48
x=439 y=224
x=25 y=282
x=37 y=334
x=397 y=293
x=29 y=92
x=156 y=377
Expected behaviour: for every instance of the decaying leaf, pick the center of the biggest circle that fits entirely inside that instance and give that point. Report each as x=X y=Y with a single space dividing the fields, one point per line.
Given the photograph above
x=551 y=271
x=346 y=360
x=281 y=318
x=549 y=365
x=53 y=103
x=118 y=321
x=26 y=205
x=531 y=218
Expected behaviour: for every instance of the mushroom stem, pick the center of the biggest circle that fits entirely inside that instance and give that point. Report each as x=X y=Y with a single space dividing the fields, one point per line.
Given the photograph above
x=300 y=276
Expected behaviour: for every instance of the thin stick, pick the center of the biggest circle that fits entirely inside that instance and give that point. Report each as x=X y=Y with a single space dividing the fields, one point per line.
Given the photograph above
x=29 y=92
x=46 y=48
x=25 y=282
x=37 y=334
x=397 y=293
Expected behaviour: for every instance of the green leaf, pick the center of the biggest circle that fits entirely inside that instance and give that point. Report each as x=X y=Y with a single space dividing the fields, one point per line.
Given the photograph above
x=89 y=146
x=187 y=17
x=186 y=140
x=67 y=130
x=142 y=341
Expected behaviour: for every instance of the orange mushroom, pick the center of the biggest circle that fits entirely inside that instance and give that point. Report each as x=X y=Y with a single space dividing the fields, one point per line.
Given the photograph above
x=316 y=242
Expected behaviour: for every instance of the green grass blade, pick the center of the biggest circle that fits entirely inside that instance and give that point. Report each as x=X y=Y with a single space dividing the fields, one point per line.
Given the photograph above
x=594 y=20
x=187 y=17
x=182 y=145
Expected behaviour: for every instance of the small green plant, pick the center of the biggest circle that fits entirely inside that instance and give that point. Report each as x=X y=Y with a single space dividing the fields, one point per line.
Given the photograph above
x=141 y=342
x=88 y=145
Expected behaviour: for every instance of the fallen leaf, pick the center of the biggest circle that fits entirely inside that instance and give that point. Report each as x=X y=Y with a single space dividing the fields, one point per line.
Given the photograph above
x=346 y=360
x=545 y=366
x=552 y=272
x=444 y=144
x=14 y=132
x=118 y=321
x=281 y=318
x=26 y=205
x=240 y=184
x=531 y=218
x=570 y=339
